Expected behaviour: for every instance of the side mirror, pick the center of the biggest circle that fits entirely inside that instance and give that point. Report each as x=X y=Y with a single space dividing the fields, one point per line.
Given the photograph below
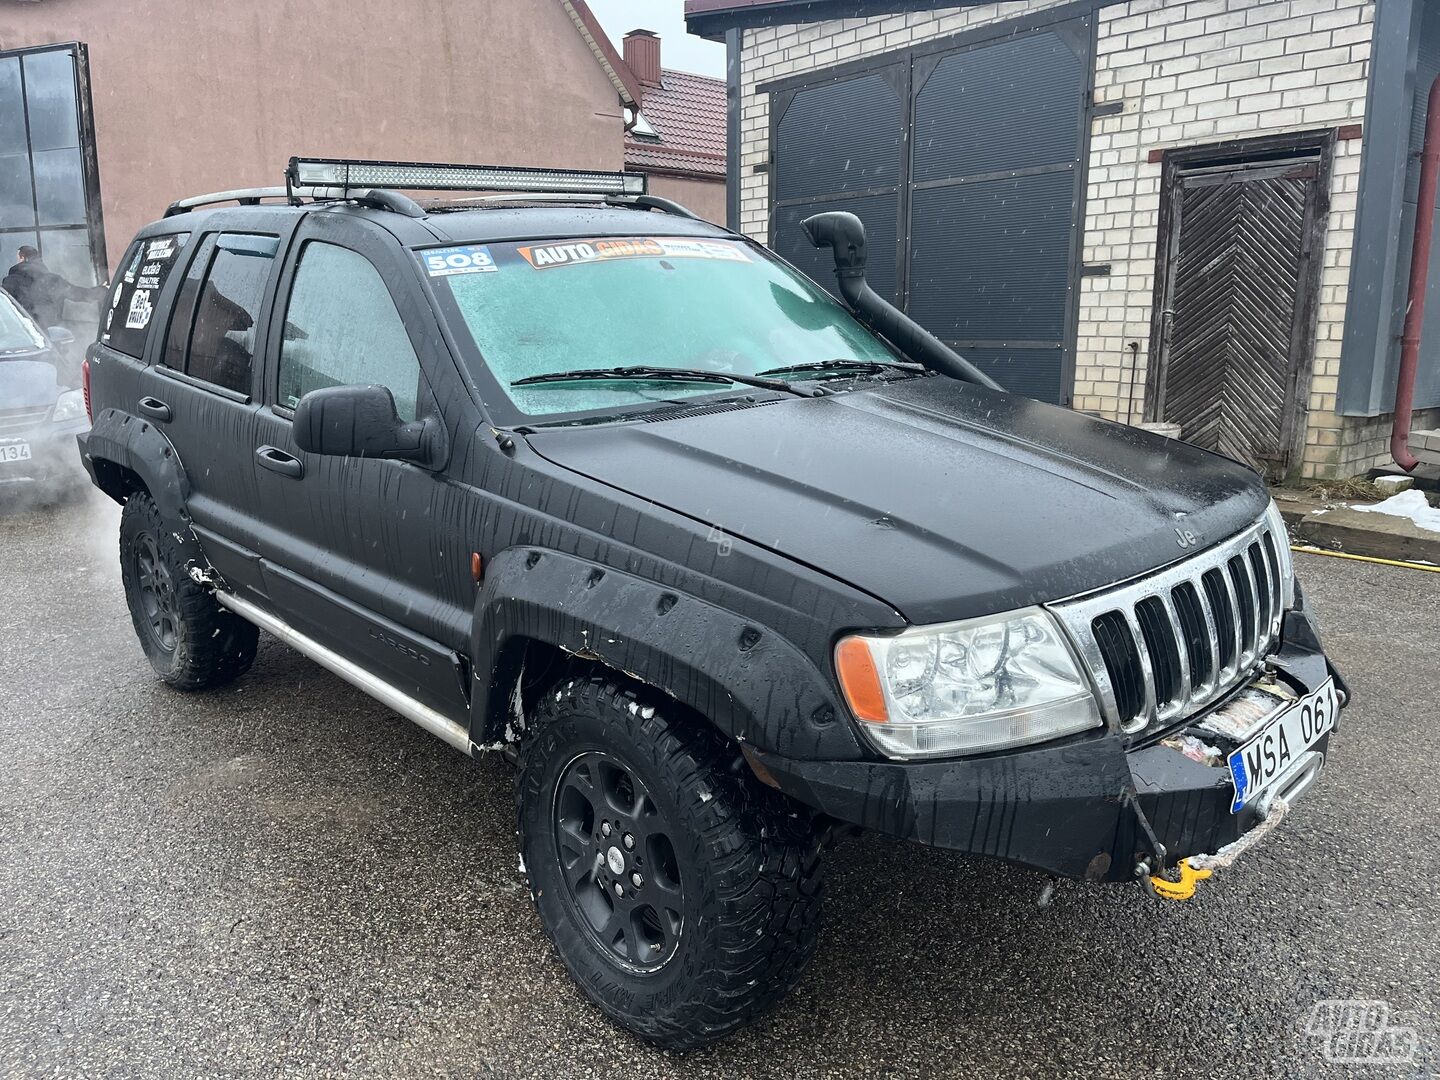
x=358 y=421
x=59 y=335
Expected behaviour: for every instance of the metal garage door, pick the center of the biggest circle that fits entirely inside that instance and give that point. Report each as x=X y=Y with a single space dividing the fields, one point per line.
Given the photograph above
x=965 y=158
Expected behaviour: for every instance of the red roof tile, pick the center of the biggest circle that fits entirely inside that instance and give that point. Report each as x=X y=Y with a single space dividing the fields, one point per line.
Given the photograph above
x=688 y=113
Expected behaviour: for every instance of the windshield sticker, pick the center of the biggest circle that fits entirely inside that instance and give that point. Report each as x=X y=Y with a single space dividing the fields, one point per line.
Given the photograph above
x=447 y=262
x=630 y=247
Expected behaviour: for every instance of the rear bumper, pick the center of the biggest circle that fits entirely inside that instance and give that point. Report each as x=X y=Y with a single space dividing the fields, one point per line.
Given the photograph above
x=1086 y=808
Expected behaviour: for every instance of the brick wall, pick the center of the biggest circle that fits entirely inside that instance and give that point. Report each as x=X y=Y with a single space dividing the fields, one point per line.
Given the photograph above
x=1187 y=73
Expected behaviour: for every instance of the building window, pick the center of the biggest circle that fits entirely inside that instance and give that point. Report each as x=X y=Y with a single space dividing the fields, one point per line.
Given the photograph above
x=49 y=190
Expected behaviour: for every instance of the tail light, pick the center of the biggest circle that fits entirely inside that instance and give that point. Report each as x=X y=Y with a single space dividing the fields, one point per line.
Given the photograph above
x=85 y=385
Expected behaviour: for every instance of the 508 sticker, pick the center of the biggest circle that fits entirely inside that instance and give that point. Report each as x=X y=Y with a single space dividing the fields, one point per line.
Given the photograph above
x=470 y=259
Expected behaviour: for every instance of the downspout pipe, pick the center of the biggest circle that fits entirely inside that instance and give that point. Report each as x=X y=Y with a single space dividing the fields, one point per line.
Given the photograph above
x=844 y=234
x=1419 y=275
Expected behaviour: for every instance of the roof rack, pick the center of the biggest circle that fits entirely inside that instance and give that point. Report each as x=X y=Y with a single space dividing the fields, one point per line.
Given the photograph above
x=350 y=173
x=244 y=196
x=369 y=182
x=376 y=197
x=635 y=202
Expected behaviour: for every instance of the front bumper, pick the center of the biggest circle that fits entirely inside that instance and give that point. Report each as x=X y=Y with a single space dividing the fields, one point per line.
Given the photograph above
x=1086 y=808
x=52 y=454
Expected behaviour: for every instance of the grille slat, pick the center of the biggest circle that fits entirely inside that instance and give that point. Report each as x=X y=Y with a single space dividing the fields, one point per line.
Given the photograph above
x=1223 y=615
x=1197 y=630
x=1252 y=612
x=1164 y=646
x=1244 y=606
x=1272 y=561
x=1172 y=658
x=1117 y=647
x=1147 y=667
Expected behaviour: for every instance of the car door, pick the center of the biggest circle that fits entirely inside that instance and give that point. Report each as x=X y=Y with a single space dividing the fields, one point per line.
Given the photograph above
x=352 y=551
x=202 y=390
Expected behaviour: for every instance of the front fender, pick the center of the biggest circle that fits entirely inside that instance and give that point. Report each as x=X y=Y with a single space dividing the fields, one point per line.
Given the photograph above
x=745 y=678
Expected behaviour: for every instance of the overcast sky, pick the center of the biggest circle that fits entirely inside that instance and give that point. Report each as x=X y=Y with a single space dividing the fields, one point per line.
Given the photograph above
x=667 y=18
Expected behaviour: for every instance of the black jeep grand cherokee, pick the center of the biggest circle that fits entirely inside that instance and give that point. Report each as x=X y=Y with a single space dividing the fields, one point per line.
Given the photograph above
x=726 y=564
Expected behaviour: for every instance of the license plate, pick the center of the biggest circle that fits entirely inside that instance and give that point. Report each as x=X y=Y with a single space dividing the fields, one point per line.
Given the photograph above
x=14 y=451
x=1275 y=747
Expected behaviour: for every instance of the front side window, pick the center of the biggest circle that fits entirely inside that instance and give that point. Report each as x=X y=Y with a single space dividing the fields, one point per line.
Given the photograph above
x=342 y=328
x=222 y=340
x=718 y=305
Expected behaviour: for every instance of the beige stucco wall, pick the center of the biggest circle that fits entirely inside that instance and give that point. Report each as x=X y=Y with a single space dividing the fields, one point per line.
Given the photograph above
x=704 y=197
x=194 y=96
x=1187 y=73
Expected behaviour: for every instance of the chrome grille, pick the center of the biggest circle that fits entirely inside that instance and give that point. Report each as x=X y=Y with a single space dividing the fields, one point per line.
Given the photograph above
x=16 y=420
x=1164 y=646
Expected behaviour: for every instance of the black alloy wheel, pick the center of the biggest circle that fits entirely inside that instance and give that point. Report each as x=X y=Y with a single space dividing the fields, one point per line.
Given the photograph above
x=620 y=869
x=156 y=593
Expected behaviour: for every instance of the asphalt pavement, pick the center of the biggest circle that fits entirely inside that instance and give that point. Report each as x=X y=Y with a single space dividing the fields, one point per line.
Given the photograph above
x=282 y=878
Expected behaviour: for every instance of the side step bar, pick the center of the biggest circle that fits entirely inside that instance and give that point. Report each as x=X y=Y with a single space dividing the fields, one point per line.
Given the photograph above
x=442 y=727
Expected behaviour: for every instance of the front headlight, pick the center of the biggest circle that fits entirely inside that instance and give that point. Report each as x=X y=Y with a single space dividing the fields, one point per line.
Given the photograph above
x=1281 y=535
x=966 y=687
x=69 y=406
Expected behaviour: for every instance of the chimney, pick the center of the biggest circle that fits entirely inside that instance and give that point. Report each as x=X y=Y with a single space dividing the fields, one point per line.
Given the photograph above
x=642 y=55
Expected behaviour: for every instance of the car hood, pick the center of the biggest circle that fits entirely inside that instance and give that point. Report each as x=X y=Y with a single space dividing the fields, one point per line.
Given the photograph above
x=28 y=381
x=943 y=499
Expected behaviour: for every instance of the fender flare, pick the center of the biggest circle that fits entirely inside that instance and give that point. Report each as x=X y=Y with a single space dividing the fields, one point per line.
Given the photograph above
x=743 y=677
x=138 y=445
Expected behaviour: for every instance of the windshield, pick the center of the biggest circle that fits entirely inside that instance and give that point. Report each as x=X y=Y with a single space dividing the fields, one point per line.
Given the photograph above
x=18 y=332
x=714 y=305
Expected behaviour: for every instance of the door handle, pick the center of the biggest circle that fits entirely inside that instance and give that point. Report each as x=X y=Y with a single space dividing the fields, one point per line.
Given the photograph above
x=155 y=409
x=278 y=461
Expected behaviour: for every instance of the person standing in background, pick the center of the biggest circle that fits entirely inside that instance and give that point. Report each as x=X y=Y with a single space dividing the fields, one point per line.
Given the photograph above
x=41 y=291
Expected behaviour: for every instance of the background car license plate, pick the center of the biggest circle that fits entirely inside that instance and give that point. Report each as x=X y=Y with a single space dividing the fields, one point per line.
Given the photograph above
x=1277 y=745
x=14 y=451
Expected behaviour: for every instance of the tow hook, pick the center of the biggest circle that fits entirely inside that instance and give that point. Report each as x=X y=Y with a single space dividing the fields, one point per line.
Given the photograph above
x=1163 y=888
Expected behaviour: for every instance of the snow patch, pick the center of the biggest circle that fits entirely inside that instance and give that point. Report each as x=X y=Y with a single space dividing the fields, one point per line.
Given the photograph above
x=1195 y=749
x=1410 y=504
x=203 y=576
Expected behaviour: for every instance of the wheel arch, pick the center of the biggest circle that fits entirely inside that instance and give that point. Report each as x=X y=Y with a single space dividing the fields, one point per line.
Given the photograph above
x=127 y=454
x=541 y=609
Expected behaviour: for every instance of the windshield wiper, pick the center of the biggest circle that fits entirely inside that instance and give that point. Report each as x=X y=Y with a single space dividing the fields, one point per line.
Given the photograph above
x=871 y=367
x=658 y=374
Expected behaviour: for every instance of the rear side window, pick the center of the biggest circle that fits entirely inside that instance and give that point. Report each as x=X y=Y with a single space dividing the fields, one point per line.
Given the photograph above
x=137 y=290
x=341 y=328
x=220 y=347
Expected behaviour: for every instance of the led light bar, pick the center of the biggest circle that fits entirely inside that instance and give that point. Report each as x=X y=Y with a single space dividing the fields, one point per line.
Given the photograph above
x=430 y=176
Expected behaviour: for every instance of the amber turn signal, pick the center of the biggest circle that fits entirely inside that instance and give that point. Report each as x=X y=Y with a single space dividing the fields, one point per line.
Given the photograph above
x=860 y=680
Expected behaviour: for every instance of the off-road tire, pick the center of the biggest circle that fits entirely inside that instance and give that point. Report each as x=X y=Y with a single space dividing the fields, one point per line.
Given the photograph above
x=191 y=641
x=747 y=859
